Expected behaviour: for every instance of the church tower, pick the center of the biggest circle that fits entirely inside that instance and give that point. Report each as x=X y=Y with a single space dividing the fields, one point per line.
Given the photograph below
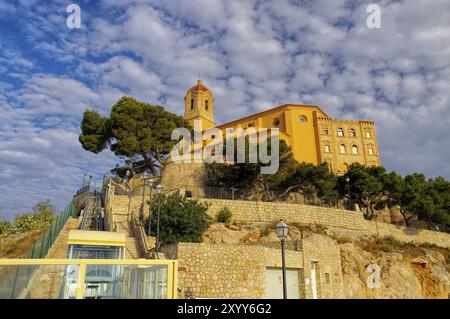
x=198 y=105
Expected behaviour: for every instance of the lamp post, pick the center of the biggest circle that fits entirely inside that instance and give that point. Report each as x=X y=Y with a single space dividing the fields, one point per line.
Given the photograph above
x=347 y=179
x=282 y=232
x=159 y=191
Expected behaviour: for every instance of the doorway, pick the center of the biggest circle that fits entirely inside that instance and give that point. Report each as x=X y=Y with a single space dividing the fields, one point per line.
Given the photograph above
x=274 y=283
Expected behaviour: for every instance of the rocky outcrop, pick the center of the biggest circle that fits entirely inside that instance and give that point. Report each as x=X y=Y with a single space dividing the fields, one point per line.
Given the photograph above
x=407 y=270
x=402 y=275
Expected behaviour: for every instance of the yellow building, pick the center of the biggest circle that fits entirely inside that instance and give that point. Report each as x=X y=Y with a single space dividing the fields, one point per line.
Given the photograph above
x=313 y=136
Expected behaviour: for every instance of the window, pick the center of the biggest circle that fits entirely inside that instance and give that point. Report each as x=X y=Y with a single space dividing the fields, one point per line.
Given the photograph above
x=276 y=122
x=302 y=119
x=325 y=131
x=370 y=151
x=206 y=105
x=342 y=149
x=192 y=104
x=354 y=150
x=327 y=278
x=250 y=124
x=340 y=131
x=327 y=148
x=368 y=134
x=352 y=133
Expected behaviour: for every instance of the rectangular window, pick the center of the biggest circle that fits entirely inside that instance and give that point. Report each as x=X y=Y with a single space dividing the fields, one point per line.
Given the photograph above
x=370 y=151
x=327 y=278
x=327 y=148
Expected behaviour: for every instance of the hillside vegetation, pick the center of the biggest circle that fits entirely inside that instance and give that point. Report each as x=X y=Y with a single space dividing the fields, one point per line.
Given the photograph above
x=371 y=188
x=17 y=238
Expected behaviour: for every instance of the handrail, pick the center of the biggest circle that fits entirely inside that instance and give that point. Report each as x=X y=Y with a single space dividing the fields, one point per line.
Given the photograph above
x=139 y=233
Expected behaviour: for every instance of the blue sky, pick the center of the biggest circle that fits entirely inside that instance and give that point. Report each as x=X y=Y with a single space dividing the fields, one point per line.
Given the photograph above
x=253 y=55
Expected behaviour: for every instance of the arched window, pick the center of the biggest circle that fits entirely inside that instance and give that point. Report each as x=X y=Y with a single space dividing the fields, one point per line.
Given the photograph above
x=368 y=134
x=340 y=131
x=354 y=149
x=325 y=131
x=206 y=105
x=192 y=104
x=327 y=148
x=342 y=149
x=370 y=151
x=302 y=119
x=352 y=132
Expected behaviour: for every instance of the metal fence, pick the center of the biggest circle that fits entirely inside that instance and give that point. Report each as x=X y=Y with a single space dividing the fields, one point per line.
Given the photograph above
x=39 y=250
x=251 y=195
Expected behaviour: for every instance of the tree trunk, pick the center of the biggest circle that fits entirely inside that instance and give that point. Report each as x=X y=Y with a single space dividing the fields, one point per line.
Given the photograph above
x=150 y=165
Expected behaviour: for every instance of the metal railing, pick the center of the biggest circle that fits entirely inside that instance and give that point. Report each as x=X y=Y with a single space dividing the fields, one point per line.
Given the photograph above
x=73 y=278
x=92 y=218
x=39 y=250
x=250 y=195
x=140 y=235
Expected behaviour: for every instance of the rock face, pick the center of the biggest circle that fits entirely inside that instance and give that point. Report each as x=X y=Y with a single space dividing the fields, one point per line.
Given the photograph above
x=401 y=276
x=406 y=272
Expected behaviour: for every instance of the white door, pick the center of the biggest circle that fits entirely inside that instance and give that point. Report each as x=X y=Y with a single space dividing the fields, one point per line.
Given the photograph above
x=313 y=279
x=274 y=283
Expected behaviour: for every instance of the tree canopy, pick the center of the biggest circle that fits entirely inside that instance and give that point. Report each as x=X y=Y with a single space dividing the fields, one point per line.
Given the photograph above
x=136 y=130
x=371 y=188
x=181 y=219
x=290 y=177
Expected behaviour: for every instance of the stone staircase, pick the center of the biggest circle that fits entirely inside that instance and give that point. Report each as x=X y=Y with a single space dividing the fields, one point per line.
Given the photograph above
x=59 y=248
x=132 y=248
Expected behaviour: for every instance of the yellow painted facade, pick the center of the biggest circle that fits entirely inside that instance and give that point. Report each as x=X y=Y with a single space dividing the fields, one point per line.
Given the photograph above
x=313 y=136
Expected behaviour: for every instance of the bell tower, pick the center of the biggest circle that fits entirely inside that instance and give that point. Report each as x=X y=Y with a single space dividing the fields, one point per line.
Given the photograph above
x=198 y=105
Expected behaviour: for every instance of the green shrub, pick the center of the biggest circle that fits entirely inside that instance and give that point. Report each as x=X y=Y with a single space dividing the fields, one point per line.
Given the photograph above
x=181 y=219
x=27 y=222
x=42 y=217
x=5 y=227
x=224 y=215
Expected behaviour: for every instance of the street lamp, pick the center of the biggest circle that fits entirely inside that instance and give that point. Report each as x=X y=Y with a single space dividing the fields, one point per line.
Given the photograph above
x=347 y=179
x=159 y=191
x=282 y=232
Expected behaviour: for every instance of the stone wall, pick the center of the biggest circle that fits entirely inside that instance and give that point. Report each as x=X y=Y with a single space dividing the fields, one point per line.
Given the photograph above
x=177 y=175
x=343 y=222
x=350 y=223
x=239 y=271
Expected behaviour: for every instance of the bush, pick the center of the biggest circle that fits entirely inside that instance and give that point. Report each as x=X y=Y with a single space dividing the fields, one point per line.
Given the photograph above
x=27 y=222
x=224 y=215
x=181 y=219
x=5 y=227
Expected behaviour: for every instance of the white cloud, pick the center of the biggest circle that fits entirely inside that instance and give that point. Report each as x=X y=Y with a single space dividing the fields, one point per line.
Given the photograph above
x=253 y=55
